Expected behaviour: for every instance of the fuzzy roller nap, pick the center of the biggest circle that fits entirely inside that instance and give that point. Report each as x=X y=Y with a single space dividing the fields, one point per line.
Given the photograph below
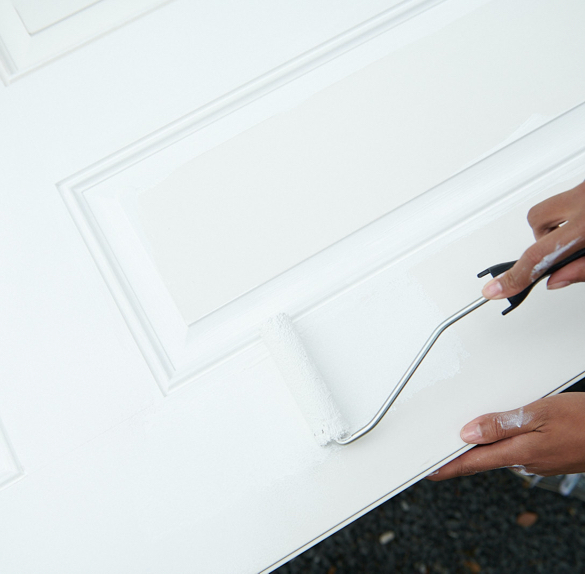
x=303 y=379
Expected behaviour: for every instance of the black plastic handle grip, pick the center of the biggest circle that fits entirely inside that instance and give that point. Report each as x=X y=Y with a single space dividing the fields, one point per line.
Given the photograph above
x=515 y=300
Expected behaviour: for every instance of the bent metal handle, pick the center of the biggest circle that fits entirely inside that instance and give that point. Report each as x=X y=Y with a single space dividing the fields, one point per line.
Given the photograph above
x=410 y=371
x=515 y=301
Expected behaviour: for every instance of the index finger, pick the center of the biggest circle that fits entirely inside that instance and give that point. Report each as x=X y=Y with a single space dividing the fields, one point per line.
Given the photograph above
x=535 y=261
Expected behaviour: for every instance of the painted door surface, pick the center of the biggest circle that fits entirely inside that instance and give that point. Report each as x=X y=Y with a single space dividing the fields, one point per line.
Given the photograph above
x=173 y=174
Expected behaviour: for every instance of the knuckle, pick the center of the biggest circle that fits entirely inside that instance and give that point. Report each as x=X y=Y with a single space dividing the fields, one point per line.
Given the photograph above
x=539 y=214
x=533 y=255
x=541 y=414
x=533 y=215
x=511 y=281
x=546 y=216
x=499 y=428
x=466 y=470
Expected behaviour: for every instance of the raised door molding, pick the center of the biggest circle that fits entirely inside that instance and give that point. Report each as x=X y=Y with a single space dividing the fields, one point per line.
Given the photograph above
x=33 y=32
x=179 y=344
x=32 y=35
x=277 y=89
x=176 y=351
x=228 y=437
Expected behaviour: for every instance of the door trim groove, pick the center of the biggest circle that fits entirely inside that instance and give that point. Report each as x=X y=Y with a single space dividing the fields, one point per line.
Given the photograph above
x=178 y=353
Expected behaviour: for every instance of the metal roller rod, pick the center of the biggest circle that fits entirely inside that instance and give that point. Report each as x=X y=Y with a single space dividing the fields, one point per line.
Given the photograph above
x=413 y=367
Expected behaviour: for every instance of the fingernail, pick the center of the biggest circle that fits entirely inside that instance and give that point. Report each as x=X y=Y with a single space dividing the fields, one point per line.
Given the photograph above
x=492 y=289
x=558 y=285
x=471 y=433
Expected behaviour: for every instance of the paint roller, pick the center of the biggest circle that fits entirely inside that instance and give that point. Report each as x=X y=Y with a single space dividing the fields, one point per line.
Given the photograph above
x=311 y=392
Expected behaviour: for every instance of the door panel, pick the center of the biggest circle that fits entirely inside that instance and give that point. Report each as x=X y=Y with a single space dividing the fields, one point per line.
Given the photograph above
x=408 y=139
x=37 y=16
x=306 y=178
x=33 y=32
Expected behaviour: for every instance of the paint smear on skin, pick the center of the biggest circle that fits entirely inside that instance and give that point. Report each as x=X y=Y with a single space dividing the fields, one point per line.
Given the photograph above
x=520 y=469
x=550 y=259
x=512 y=419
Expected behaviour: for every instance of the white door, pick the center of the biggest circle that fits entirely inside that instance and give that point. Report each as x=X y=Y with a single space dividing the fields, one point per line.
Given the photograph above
x=172 y=174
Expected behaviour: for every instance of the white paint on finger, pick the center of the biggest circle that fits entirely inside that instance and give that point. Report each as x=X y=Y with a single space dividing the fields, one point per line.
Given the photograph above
x=550 y=259
x=514 y=419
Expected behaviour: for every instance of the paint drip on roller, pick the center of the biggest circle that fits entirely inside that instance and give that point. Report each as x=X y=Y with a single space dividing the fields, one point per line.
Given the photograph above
x=300 y=373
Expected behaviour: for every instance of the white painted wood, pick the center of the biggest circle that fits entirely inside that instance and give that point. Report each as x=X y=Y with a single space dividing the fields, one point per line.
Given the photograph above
x=302 y=180
x=10 y=469
x=37 y=15
x=134 y=431
x=33 y=32
x=31 y=35
x=177 y=351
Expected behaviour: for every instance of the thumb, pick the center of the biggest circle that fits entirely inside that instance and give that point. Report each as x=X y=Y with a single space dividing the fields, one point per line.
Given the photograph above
x=534 y=262
x=497 y=426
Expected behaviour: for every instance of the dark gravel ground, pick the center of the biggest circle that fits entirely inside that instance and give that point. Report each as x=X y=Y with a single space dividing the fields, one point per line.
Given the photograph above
x=466 y=525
